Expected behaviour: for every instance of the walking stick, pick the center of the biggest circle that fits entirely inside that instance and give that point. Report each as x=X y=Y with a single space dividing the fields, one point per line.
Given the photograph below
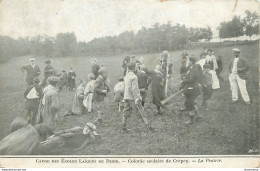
x=170 y=97
x=142 y=115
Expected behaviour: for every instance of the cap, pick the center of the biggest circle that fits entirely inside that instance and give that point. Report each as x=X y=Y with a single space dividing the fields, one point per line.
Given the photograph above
x=236 y=50
x=53 y=79
x=91 y=126
x=88 y=128
x=47 y=61
x=93 y=60
x=32 y=59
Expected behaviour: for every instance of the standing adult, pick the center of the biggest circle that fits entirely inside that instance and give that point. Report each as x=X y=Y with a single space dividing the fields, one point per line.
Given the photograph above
x=50 y=103
x=32 y=71
x=237 y=78
x=191 y=89
x=132 y=97
x=94 y=67
x=48 y=72
x=72 y=79
x=158 y=83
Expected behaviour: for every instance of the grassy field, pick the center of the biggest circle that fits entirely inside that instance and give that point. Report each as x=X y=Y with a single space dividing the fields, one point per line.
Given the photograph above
x=222 y=130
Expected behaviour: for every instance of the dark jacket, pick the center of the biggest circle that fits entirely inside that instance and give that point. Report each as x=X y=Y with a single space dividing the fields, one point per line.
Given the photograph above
x=31 y=72
x=94 y=69
x=98 y=87
x=193 y=79
x=33 y=102
x=242 y=67
x=48 y=71
x=158 y=83
x=143 y=81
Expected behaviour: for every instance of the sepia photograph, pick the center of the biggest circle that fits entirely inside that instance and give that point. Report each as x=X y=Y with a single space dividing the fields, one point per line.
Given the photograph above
x=151 y=78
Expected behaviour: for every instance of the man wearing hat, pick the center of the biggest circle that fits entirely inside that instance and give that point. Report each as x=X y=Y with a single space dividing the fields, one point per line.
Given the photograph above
x=48 y=71
x=32 y=95
x=132 y=97
x=206 y=86
x=32 y=71
x=158 y=83
x=237 y=78
x=49 y=103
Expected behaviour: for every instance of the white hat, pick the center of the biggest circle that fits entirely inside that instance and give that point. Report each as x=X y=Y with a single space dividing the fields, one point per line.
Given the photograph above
x=236 y=50
x=88 y=128
x=32 y=59
x=93 y=60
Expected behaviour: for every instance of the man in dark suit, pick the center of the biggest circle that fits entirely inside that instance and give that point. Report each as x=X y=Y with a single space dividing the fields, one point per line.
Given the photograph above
x=32 y=71
x=237 y=78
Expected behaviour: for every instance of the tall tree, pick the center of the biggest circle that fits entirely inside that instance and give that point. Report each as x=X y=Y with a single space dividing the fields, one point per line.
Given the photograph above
x=251 y=24
x=66 y=44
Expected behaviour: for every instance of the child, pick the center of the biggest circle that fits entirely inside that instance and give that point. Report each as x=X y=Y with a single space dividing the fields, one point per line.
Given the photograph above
x=206 y=85
x=88 y=92
x=32 y=95
x=77 y=107
x=143 y=82
x=71 y=79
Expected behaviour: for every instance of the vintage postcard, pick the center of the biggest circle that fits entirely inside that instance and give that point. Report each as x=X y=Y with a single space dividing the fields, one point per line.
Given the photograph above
x=112 y=83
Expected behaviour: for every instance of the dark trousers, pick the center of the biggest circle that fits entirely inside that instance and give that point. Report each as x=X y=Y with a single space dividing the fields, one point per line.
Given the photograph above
x=190 y=96
x=32 y=105
x=207 y=92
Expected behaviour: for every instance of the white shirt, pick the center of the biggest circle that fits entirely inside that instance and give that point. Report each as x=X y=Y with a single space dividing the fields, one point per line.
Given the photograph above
x=234 y=69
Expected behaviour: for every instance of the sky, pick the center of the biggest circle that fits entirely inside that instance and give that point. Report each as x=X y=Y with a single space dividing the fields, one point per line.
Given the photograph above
x=96 y=18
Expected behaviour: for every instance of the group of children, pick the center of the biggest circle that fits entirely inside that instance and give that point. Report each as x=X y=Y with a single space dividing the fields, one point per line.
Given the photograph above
x=209 y=76
x=91 y=95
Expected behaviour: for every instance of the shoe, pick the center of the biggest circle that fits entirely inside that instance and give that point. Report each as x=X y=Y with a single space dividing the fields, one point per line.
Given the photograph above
x=247 y=103
x=234 y=101
x=126 y=129
x=98 y=121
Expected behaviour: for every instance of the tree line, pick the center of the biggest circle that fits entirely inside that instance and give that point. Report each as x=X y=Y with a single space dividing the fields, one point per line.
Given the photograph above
x=147 y=40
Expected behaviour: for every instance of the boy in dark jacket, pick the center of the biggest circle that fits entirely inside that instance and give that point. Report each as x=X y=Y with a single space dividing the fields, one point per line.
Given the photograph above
x=100 y=92
x=206 y=85
x=32 y=95
x=143 y=82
